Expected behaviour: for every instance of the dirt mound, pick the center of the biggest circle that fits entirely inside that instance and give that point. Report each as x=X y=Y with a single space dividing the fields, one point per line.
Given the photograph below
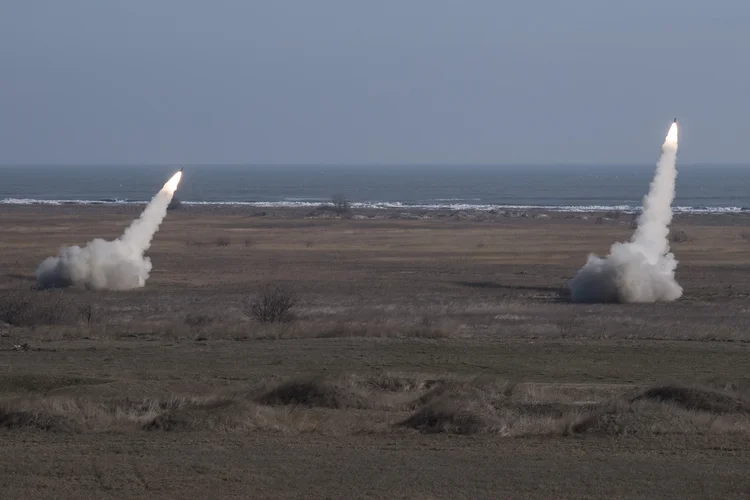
x=450 y=419
x=41 y=420
x=350 y=391
x=208 y=415
x=697 y=398
x=479 y=390
x=312 y=392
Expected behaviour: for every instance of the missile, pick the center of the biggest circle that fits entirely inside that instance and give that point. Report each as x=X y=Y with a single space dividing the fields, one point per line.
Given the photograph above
x=181 y=169
x=675 y=120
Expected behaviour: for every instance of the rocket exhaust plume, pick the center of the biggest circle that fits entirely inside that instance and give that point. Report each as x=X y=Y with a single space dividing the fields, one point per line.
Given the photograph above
x=111 y=265
x=642 y=269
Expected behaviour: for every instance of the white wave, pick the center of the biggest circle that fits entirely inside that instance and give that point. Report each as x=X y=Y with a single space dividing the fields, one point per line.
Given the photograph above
x=392 y=205
x=33 y=201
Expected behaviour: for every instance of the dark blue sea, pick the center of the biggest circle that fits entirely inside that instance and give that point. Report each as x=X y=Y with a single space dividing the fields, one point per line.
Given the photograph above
x=700 y=188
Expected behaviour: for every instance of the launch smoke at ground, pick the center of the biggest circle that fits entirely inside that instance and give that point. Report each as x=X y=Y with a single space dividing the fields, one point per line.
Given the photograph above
x=111 y=265
x=641 y=270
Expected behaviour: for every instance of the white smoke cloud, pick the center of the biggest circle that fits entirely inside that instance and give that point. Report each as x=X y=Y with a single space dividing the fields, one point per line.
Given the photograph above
x=641 y=270
x=111 y=265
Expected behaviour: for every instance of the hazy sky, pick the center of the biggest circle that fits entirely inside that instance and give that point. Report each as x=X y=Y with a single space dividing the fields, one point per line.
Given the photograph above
x=372 y=81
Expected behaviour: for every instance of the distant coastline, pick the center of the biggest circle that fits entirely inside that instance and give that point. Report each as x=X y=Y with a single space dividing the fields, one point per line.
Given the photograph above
x=479 y=207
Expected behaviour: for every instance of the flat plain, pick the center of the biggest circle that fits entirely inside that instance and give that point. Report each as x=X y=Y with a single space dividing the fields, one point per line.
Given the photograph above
x=431 y=355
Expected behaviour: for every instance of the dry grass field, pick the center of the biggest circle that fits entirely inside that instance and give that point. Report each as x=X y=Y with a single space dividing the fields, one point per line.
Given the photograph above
x=427 y=357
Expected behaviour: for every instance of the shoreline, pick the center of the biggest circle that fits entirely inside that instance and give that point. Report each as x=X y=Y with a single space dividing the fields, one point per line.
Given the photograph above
x=489 y=208
x=371 y=213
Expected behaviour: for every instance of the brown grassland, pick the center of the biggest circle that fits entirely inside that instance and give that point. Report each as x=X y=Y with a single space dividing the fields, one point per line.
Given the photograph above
x=426 y=357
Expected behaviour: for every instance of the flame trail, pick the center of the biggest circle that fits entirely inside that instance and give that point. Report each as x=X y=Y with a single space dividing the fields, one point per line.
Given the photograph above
x=641 y=270
x=111 y=265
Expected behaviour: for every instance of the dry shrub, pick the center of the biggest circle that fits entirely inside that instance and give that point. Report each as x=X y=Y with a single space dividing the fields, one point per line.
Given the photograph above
x=20 y=416
x=485 y=406
x=460 y=407
x=190 y=414
x=30 y=308
x=457 y=406
x=70 y=414
x=678 y=237
x=89 y=313
x=229 y=416
x=385 y=391
x=215 y=413
x=475 y=414
x=738 y=386
x=272 y=304
x=222 y=242
x=340 y=204
x=485 y=389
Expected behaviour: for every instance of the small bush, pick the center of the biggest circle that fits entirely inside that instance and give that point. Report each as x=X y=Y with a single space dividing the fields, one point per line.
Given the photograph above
x=222 y=242
x=33 y=308
x=339 y=203
x=88 y=313
x=272 y=304
x=613 y=214
x=678 y=237
x=16 y=308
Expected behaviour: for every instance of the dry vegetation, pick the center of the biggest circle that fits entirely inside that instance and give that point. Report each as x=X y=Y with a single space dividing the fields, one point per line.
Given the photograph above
x=27 y=307
x=272 y=304
x=437 y=405
x=441 y=347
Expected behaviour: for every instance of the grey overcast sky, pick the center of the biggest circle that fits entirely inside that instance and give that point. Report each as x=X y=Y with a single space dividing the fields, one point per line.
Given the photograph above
x=372 y=81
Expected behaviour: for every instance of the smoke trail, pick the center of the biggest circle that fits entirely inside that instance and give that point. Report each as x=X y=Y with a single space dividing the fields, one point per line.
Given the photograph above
x=641 y=270
x=111 y=265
